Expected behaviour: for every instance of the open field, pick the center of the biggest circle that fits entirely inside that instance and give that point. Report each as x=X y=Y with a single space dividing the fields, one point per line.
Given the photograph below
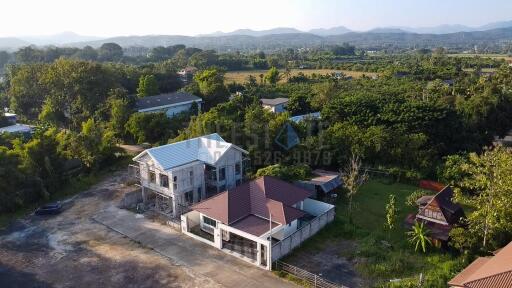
x=365 y=252
x=241 y=76
x=484 y=70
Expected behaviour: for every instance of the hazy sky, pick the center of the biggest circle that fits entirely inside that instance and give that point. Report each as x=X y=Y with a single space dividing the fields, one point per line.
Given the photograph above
x=191 y=17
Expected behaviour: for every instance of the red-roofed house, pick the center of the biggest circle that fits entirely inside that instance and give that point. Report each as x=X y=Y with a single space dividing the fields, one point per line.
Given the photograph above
x=246 y=220
x=487 y=272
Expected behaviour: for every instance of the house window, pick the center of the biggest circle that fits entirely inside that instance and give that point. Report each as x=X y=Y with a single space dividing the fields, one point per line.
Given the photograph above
x=164 y=180
x=210 y=222
x=222 y=174
x=175 y=182
x=191 y=173
x=189 y=197
x=237 y=169
x=152 y=176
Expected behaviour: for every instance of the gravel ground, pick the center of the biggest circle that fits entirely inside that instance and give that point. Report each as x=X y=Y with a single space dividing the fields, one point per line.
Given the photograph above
x=72 y=250
x=329 y=263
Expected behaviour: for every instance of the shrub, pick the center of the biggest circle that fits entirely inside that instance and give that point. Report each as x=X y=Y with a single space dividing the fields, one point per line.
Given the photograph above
x=411 y=199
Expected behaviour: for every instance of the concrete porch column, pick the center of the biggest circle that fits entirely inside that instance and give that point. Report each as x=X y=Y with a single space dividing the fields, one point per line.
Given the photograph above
x=217 y=237
x=144 y=196
x=258 y=256
x=174 y=207
x=184 y=223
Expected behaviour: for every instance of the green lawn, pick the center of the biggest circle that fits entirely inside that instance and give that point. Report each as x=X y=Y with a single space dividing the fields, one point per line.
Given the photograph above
x=374 y=260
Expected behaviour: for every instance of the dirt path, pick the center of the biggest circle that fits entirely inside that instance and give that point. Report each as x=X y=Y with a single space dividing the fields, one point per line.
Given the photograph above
x=330 y=263
x=72 y=250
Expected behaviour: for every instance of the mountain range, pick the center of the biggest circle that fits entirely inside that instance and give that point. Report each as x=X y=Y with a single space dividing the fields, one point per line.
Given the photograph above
x=441 y=29
x=247 y=39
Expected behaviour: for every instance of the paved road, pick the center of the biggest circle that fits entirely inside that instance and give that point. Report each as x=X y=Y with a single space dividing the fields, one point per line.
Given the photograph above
x=226 y=270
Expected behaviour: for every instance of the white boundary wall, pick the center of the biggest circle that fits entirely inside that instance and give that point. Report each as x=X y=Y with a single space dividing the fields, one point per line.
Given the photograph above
x=285 y=246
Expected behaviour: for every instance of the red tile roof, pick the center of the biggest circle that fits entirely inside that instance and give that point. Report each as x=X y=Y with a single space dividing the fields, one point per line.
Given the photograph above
x=461 y=278
x=254 y=225
x=256 y=197
x=488 y=272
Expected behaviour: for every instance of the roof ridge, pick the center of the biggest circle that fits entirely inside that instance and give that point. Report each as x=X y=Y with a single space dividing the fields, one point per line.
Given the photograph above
x=486 y=277
x=186 y=140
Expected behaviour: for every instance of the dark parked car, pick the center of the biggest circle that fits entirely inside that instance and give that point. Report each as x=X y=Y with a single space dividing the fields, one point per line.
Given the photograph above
x=49 y=209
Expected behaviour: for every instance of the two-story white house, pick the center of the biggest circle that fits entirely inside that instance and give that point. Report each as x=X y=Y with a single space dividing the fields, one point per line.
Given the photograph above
x=174 y=176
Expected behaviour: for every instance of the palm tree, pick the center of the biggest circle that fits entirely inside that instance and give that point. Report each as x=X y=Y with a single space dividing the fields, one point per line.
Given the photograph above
x=419 y=236
x=287 y=73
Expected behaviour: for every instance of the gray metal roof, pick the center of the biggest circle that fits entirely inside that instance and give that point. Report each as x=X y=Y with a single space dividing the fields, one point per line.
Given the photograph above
x=273 y=102
x=165 y=99
x=299 y=118
x=16 y=128
x=207 y=149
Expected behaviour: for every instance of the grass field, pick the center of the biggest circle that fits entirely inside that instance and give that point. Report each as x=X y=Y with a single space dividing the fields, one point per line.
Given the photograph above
x=373 y=260
x=241 y=76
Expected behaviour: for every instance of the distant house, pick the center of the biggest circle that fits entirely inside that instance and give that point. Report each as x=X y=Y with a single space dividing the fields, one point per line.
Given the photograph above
x=401 y=74
x=169 y=103
x=176 y=175
x=505 y=140
x=15 y=128
x=439 y=214
x=257 y=221
x=186 y=74
x=449 y=82
x=309 y=116
x=11 y=118
x=276 y=105
x=322 y=183
x=487 y=272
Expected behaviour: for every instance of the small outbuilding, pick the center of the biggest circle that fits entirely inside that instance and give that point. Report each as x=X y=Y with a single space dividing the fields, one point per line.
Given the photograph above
x=322 y=183
x=169 y=103
x=276 y=105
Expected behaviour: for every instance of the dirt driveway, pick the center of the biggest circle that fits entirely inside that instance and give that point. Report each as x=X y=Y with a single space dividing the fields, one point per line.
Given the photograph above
x=73 y=250
x=330 y=263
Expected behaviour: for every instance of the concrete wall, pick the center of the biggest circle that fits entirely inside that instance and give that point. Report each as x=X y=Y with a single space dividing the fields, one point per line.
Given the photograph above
x=131 y=199
x=315 y=207
x=285 y=231
x=285 y=246
x=194 y=218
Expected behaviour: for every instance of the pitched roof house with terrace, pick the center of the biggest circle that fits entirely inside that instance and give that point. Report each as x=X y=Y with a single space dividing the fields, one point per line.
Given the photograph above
x=439 y=213
x=176 y=175
x=248 y=219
